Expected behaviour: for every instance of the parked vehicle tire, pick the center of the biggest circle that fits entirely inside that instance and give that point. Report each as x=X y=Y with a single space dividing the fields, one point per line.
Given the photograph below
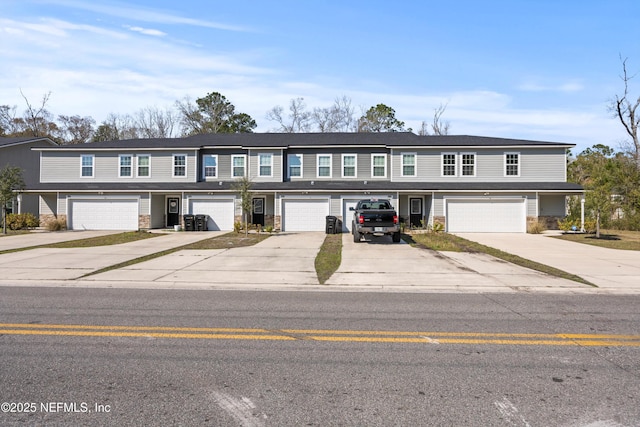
x=356 y=235
x=396 y=237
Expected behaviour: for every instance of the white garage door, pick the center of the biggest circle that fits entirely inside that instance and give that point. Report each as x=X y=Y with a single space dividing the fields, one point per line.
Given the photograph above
x=305 y=215
x=347 y=215
x=221 y=213
x=486 y=216
x=103 y=214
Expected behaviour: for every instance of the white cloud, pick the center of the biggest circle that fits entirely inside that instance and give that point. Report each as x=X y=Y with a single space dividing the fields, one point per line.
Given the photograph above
x=146 y=31
x=534 y=86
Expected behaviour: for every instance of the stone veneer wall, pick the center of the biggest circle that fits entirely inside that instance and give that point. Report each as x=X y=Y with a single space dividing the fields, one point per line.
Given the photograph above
x=144 y=222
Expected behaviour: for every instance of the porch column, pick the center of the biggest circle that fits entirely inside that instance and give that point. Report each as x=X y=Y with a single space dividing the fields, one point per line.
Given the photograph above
x=582 y=215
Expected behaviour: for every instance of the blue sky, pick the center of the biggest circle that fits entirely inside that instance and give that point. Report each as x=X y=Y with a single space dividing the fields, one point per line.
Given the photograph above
x=532 y=69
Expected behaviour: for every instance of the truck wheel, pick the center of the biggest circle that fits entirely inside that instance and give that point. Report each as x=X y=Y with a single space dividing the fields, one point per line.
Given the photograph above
x=396 y=237
x=356 y=236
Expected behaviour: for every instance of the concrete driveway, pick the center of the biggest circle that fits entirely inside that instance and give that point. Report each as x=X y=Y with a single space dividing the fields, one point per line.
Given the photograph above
x=609 y=269
x=381 y=264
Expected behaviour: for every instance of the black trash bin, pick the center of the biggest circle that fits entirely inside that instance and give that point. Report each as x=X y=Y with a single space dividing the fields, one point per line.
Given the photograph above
x=330 y=225
x=338 y=228
x=189 y=223
x=201 y=222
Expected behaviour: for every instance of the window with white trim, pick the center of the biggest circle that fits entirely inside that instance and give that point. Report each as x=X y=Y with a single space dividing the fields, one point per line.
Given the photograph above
x=210 y=166
x=179 y=165
x=143 y=165
x=512 y=164
x=295 y=165
x=468 y=164
x=379 y=165
x=125 y=169
x=324 y=165
x=408 y=164
x=238 y=165
x=265 y=162
x=86 y=165
x=349 y=165
x=448 y=164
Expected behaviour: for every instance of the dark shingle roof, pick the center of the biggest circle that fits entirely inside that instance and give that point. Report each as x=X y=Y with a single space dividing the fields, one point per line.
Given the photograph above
x=277 y=140
x=6 y=141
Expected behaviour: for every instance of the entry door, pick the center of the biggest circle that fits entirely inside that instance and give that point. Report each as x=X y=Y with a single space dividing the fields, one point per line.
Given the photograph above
x=258 y=211
x=173 y=211
x=415 y=214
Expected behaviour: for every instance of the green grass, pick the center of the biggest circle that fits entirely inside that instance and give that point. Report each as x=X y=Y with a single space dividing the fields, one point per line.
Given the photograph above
x=329 y=257
x=448 y=242
x=225 y=241
x=612 y=239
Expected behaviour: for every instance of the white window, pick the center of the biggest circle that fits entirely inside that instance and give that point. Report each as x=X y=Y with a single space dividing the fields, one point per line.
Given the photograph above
x=210 y=166
x=144 y=165
x=86 y=166
x=324 y=165
x=408 y=164
x=265 y=161
x=349 y=165
x=468 y=164
x=448 y=164
x=126 y=166
x=379 y=165
x=295 y=165
x=179 y=165
x=238 y=165
x=512 y=164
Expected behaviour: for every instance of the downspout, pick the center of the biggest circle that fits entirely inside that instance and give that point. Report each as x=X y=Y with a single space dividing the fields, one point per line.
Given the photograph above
x=582 y=201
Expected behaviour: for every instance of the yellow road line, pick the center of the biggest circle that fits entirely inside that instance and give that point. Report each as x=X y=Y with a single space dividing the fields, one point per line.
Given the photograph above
x=324 y=335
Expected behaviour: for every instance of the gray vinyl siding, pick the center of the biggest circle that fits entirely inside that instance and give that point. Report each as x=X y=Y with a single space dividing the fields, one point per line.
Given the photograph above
x=65 y=167
x=20 y=155
x=539 y=164
x=276 y=166
x=310 y=164
x=552 y=205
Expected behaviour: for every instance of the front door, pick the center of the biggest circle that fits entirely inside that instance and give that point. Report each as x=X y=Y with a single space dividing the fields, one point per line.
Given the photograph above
x=173 y=211
x=258 y=211
x=415 y=214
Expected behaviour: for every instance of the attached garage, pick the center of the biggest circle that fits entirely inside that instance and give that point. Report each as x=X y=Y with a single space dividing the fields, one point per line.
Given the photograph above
x=103 y=214
x=506 y=215
x=347 y=214
x=221 y=212
x=304 y=214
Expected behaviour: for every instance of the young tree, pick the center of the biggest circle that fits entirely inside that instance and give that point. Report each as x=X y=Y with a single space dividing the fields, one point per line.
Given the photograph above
x=298 y=120
x=212 y=114
x=243 y=187
x=11 y=182
x=380 y=118
x=626 y=110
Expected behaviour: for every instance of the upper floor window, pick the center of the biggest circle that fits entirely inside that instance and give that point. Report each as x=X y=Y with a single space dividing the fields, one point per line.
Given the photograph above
x=126 y=166
x=210 y=166
x=324 y=165
x=179 y=165
x=238 y=165
x=295 y=165
x=408 y=164
x=448 y=164
x=379 y=165
x=86 y=165
x=265 y=161
x=468 y=164
x=512 y=164
x=349 y=165
x=144 y=165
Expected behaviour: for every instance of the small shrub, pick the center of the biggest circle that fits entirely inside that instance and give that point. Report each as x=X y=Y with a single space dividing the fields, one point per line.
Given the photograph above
x=437 y=227
x=536 y=227
x=590 y=225
x=567 y=224
x=22 y=221
x=57 y=225
x=237 y=226
x=268 y=229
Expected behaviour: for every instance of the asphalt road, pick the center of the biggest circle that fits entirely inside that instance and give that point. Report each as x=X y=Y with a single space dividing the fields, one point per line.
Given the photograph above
x=168 y=357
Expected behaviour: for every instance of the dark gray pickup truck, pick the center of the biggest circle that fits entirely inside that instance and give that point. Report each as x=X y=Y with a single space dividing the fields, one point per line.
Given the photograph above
x=376 y=217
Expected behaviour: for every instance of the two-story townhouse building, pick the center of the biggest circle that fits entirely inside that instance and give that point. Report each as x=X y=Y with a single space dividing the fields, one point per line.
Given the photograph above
x=16 y=152
x=469 y=183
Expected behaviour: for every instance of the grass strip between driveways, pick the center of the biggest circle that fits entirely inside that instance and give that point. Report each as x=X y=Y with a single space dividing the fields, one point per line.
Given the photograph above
x=612 y=239
x=449 y=242
x=329 y=257
x=225 y=241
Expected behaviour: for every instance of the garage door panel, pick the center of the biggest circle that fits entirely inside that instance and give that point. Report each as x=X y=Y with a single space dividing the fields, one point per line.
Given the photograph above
x=221 y=213
x=305 y=215
x=347 y=214
x=481 y=216
x=103 y=214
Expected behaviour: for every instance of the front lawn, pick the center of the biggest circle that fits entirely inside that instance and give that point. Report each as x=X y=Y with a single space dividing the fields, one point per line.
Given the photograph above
x=329 y=257
x=448 y=242
x=612 y=239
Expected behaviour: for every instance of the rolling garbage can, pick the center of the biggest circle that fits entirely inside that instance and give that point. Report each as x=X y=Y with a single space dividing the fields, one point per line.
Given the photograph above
x=201 y=222
x=189 y=223
x=330 y=225
x=338 y=227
